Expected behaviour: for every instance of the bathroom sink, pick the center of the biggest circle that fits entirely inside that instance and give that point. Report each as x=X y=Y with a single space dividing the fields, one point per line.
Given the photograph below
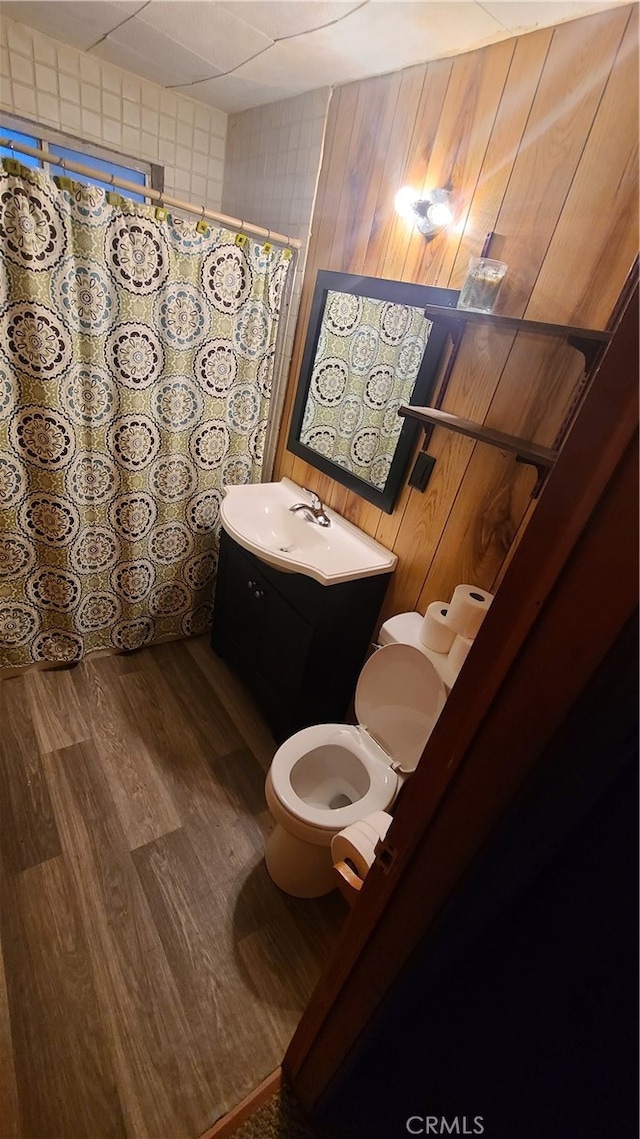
x=258 y=518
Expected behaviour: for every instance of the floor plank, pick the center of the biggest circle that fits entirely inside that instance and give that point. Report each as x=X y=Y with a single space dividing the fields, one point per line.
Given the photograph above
x=64 y=1068
x=28 y=833
x=10 y=1127
x=160 y=1075
x=226 y=834
x=57 y=715
x=235 y=698
x=143 y=802
x=195 y=924
x=198 y=701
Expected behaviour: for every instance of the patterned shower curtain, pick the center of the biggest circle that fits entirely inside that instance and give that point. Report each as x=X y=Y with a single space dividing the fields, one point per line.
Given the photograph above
x=136 y=360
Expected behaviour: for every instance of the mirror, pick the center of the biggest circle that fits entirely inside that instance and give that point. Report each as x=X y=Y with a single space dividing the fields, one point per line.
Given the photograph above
x=369 y=349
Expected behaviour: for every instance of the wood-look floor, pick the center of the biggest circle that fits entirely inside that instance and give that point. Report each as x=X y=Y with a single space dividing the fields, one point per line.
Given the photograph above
x=151 y=974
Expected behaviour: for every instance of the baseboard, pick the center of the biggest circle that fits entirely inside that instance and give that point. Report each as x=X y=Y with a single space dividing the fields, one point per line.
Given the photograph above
x=229 y=1123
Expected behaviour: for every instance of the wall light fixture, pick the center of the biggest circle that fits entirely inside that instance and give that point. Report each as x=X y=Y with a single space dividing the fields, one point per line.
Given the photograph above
x=430 y=214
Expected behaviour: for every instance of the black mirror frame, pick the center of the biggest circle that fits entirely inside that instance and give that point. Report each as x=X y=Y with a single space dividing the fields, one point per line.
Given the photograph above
x=376 y=288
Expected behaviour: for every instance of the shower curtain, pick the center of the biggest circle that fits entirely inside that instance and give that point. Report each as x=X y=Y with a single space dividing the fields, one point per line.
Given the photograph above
x=136 y=361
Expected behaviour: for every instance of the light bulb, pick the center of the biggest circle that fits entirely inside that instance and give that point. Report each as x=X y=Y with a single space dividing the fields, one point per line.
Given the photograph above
x=439 y=214
x=405 y=201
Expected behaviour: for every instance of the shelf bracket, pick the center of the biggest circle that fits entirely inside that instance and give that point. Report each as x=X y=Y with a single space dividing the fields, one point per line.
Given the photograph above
x=542 y=470
x=591 y=349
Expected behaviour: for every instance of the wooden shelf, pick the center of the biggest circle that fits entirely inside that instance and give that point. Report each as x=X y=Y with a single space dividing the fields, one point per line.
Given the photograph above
x=516 y=324
x=589 y=341
x=543 y=458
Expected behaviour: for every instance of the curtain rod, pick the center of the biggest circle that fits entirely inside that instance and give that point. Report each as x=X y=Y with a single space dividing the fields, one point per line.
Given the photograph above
x=149 y=192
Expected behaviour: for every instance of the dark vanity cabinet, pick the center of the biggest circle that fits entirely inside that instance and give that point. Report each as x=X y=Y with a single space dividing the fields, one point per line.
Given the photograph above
x=298 y=645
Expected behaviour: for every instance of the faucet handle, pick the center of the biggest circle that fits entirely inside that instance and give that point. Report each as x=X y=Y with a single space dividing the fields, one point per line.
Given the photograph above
x=316 y=503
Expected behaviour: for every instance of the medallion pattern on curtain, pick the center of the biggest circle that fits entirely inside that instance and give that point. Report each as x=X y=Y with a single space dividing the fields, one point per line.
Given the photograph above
x=136 y=361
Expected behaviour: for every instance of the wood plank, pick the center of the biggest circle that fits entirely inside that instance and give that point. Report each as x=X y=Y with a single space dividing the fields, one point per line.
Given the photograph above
x=369 y=139
x=58 y=718
x=377 y=174
x=222 y=824
x=139 y=792
x=314 y=922
x=28 y=832
x=232 y=693
x=520 y=88
x=192 y=919
x=483 y=520
x=417 y=121
x=11 y=1125
x=392 y=163
x=64 y=1067
x=471 y=104
x=162 y=1084
x=188 y=687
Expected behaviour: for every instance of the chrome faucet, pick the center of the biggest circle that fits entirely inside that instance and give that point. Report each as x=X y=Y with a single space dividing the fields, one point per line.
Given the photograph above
x=313 y=512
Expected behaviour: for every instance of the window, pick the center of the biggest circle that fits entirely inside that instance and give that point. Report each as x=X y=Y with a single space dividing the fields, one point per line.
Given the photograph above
x=135 y=170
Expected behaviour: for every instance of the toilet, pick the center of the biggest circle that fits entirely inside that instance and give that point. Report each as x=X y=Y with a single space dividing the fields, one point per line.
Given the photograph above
x=328 y=776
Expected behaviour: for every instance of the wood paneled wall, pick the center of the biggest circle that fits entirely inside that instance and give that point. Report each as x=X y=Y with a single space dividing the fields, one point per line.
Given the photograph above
x=538 y=136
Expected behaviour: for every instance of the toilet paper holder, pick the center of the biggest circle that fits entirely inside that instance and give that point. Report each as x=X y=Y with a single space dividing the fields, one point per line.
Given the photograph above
x=349 y=883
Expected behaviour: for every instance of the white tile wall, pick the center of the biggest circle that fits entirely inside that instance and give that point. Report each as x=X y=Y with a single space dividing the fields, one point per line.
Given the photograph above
x=271 y=173
x=74 y=91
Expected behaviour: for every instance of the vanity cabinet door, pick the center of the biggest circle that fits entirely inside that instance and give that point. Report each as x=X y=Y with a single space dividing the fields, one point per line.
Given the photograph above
x=298 y=645
x=282 y=655
x=238 y=612
x=265 y=638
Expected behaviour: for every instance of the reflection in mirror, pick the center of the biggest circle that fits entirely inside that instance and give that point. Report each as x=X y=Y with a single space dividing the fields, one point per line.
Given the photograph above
x=366 y=364
x=369 y=349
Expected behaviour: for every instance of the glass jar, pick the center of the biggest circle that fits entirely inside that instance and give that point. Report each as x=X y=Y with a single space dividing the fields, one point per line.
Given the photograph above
x=482 y=285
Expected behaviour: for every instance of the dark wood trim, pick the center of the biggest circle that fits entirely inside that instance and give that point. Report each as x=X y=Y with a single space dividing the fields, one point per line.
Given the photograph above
x=229 y=1124
x=535 y=640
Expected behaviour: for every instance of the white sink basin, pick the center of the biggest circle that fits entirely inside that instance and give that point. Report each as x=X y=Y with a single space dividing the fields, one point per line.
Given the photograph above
x=259 y=519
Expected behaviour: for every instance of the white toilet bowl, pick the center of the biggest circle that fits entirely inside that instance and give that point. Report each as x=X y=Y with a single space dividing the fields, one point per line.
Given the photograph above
x=328 y=776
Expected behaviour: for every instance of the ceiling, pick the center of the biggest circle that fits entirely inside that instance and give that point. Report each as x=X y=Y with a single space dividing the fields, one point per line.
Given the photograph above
x=234 y=54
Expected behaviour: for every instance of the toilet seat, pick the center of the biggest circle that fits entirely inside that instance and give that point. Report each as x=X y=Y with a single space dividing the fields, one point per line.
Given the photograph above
x=399 y=697
x=343 y=740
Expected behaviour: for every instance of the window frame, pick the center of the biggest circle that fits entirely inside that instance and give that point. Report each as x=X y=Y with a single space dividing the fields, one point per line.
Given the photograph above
x=48 y=136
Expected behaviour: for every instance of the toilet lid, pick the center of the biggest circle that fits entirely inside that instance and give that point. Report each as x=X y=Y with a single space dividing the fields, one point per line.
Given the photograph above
x=398 y=699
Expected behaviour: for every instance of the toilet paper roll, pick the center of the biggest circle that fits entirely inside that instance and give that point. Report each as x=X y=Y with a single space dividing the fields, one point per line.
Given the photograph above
x=380 y=821
x=352 y=845
x=358 y=841
x=468 y=610
x=436 y=632
x=458 y=653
